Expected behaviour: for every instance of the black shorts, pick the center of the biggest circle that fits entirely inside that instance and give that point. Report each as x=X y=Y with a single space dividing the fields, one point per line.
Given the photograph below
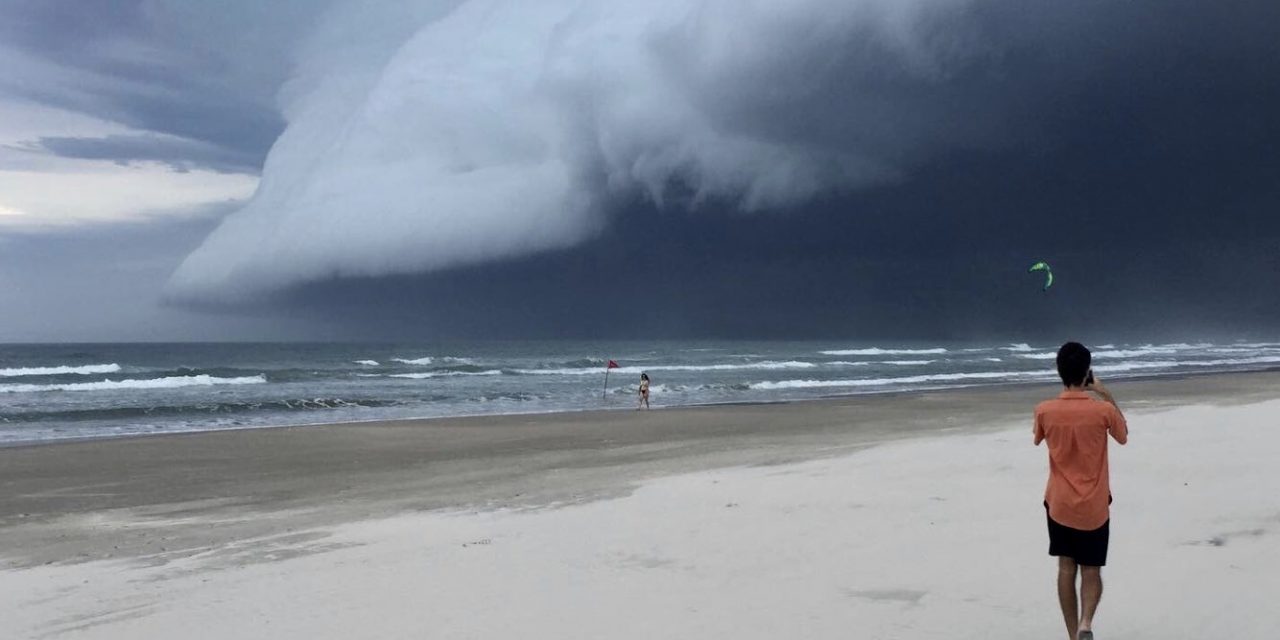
x=1088 y=548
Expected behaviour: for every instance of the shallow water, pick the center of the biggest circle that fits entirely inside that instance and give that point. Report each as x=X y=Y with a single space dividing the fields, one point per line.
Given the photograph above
x=97 y=390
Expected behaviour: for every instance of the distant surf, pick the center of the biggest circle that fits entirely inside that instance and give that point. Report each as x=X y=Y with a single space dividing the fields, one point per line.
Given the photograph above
x=50 y=392
x=877 y=351
x=115 y=385
x=903 y=380
x=81 y=370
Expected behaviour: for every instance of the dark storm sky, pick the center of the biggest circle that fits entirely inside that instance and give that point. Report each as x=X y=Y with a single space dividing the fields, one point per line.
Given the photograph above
x=1135 y=146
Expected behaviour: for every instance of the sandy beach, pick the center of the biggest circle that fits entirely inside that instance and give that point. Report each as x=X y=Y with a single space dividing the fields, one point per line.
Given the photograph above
x=881 y=516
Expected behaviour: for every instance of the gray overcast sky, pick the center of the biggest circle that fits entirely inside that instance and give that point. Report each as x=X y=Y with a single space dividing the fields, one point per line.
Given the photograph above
x=326 y=170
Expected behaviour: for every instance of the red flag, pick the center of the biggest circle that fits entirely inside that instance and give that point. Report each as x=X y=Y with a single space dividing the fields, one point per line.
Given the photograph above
x=612 y=365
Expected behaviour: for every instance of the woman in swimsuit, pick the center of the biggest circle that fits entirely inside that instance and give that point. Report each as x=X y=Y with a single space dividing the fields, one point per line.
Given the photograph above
x=644 y=391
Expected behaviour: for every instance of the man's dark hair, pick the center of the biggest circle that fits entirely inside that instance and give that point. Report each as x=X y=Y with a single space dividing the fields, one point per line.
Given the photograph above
x=1073 y=363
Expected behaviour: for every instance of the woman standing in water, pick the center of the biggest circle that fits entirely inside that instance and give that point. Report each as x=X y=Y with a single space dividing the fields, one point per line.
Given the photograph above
x=644 y=391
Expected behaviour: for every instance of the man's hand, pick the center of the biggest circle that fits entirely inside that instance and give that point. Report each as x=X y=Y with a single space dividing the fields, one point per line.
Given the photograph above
x=1119 y=428
x=1100 y=389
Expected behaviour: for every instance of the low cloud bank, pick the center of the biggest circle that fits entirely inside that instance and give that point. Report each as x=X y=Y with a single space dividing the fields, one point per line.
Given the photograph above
x=446 y=134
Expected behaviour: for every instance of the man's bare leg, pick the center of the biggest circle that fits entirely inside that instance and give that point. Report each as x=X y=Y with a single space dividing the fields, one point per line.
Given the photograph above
x=1067 y=595
x=1090 y=594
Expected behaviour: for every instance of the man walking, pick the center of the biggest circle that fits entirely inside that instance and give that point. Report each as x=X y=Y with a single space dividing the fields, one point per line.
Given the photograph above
x=1078 y=496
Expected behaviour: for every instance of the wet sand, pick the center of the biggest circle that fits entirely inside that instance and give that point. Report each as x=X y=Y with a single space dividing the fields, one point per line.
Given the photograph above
x=158 y=498
x=895 y=516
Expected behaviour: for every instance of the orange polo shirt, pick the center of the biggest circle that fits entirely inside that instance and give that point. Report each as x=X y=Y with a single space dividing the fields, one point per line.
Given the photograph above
x=1076 y=427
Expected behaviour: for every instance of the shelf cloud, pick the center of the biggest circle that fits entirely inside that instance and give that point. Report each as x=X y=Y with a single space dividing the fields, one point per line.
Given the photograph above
x=442 y=135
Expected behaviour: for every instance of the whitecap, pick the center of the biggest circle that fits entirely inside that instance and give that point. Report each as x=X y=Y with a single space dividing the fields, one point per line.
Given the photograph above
x=426 y=360
x=153 y=383
x=866 y=363
x=767 y=365
x=1173 y=364
x=905 y=380
x=84 y=370
x=445 y=374
x=1038 y=356
x=876 y=351
x=430 y=359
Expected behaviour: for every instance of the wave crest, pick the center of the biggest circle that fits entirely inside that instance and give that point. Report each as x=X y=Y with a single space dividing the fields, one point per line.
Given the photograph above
x=905 y=380
x=877 y=351
x=154 y=383
x=60 y=370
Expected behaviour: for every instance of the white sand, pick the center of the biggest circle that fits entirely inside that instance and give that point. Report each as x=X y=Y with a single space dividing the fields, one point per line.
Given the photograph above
x=938 y=538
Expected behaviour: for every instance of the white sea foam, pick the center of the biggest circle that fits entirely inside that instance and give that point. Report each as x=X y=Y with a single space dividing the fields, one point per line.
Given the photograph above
x=431 y=359
x=1238 y=349
x=1173 y=364
x=905 y=380
x=446 y=374
x=876 y=351
x=1038 y=356
x=1021 y=346
x=367 y=363
x=767 y=365
x=426 y=360
x=153 y=383
x=868 y=363
x=657 y=389
x=662 y=388
x=1135 y=366
x=1134 y=353
x=84 y=370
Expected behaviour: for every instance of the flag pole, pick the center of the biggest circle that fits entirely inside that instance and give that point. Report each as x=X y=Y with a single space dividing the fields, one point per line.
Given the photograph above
x=608 y=364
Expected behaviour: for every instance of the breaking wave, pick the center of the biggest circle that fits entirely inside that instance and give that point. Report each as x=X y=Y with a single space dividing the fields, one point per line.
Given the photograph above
x=905 y=380
x=1232 y=362
x=201 y=409
x=154 y=383
x=876 y=351
x=420 y=361
x=84 y=370
x=597 y=370
x=445 y=374
x=868 y=363
x=433 y=359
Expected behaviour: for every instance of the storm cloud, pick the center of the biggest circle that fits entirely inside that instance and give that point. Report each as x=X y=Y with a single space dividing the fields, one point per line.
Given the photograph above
x=495 y=130
x=698 y=167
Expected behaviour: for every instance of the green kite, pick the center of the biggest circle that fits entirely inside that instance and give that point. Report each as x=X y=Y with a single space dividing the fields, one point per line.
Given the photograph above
x=1048 y=273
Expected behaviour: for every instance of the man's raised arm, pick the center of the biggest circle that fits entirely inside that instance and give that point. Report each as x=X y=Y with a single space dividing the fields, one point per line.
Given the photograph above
x=1116 y=424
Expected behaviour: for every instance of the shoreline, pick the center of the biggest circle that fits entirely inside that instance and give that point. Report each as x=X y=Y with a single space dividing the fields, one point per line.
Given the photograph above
x=70 y=501
x=832 y=398
x=764 y=521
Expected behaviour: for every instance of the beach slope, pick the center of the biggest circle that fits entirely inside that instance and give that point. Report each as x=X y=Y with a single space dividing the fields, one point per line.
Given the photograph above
x=771 y=522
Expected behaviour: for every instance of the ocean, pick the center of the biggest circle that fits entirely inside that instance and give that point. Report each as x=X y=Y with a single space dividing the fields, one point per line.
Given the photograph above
x=51 y=392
